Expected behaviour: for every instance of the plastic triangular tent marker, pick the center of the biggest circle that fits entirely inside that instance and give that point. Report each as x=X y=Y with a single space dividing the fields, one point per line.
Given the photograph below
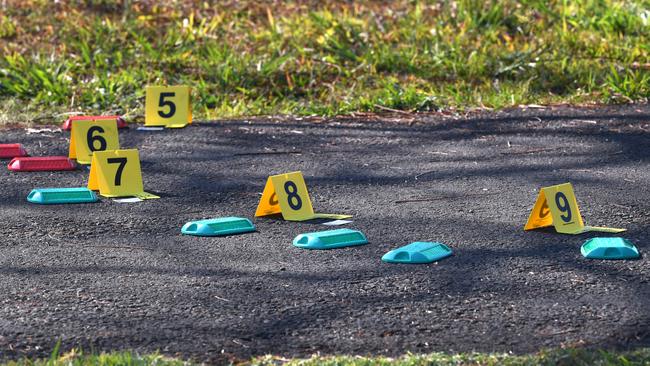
x=609 y=248
x=49 y=196
x=10 y=151
x=92 y=135
x=41 y=163
x=417 y=253
x=287 y=194
x=116 y=173
x=557 y=206
x=218 y=227
x=330 y=239
x=168 y=106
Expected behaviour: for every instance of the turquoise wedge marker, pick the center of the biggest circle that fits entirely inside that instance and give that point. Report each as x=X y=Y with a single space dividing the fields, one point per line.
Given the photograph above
x=609 y=248
x=218 y=227
x=417 y=253
x=330 y=239
x=51 y=196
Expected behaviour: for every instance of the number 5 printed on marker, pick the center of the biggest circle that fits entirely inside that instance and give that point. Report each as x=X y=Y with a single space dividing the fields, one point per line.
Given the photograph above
x=162 y=103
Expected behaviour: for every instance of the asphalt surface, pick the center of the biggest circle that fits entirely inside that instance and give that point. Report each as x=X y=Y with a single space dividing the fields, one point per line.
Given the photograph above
x=113 y=276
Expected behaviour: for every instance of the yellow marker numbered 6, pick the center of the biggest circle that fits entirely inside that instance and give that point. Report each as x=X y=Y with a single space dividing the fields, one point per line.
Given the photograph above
x=88 y=136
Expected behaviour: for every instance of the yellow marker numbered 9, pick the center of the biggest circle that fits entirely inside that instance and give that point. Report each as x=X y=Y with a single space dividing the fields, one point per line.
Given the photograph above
x=287 y=194
x=88 y=136
x=116 y=173
x=168 y=106
x=557 y=206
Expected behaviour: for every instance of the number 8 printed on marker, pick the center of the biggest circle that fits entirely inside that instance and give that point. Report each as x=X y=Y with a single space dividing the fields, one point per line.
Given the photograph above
x=292 y=194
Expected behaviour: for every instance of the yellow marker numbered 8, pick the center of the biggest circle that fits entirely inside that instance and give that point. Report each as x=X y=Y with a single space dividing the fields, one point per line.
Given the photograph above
x=287 y=194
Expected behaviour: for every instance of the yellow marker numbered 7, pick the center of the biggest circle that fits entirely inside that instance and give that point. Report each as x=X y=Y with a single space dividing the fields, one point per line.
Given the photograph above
x=167 y=106
x=557 y=206
x=116 y=173
x=287 y=194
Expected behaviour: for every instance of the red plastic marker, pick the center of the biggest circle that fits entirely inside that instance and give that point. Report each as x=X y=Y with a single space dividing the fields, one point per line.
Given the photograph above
x=10 y=151
x=67 y=125
x=41 y=163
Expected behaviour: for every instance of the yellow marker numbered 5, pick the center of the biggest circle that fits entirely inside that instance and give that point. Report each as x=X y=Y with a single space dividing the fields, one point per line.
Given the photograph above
x=168 y=106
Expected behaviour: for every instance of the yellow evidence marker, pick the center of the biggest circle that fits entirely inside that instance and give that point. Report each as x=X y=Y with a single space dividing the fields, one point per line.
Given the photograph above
x=88 y=136
x=557 y=206
x=291 y=199
x=167 y=106
x=116 y=173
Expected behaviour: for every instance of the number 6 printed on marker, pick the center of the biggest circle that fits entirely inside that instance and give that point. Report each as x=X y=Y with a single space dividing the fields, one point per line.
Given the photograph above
x=92 y=138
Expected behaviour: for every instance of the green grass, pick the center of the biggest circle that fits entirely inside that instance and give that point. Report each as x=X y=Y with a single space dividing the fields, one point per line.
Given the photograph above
x=248 y=58
x=573 y=357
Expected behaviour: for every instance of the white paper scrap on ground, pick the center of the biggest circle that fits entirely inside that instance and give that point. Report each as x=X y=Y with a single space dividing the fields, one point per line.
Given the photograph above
x=127 y=200
x=43 y=130
x=337 y=222
x=150 y=128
